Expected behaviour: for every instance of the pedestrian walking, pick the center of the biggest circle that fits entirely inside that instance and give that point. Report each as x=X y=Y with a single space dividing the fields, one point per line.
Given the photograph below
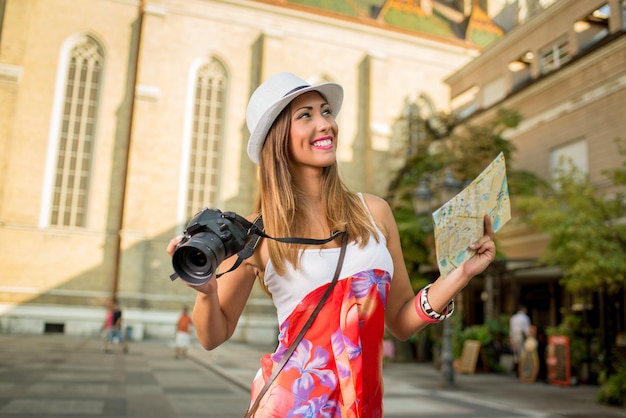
x=335 y=369
x=108 y=322
x=519 y=329
x=183 y=334
x=116 y=335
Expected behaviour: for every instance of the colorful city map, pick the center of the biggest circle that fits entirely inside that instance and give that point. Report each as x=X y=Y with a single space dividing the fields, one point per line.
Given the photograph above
x=459 y=222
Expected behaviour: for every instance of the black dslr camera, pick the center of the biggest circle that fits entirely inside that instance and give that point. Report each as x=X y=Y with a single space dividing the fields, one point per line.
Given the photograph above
x=211 y=237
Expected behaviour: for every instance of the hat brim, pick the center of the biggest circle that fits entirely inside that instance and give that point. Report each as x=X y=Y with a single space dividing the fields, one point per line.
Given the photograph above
x=332 y=92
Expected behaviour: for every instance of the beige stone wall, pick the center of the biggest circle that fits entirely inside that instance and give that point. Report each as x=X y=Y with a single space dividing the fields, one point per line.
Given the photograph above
x=61 y=267
x=37 y=261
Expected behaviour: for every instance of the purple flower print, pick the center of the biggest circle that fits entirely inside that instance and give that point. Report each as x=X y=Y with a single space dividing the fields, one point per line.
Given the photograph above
x=362 y=283
x=342 y=343
x=316 y=407
x=310 y=366
x=282 y=348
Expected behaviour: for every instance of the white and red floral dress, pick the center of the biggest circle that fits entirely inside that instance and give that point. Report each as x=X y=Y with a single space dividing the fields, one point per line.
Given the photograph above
x=336 y=371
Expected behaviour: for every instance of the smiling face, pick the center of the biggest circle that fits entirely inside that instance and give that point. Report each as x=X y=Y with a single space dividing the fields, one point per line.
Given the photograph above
x=313 y=131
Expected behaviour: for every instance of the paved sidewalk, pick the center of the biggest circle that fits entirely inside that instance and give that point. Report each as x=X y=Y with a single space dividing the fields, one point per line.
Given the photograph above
x=414 y=390
x=59 y=376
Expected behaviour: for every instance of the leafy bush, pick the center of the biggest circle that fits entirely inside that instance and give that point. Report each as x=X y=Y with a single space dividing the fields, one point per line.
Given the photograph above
x=613 y=388
x=492 y=336
x=578 y=332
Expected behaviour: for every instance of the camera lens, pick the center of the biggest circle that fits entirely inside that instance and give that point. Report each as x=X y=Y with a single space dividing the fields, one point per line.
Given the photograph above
x=196 y=258
x=193 y=264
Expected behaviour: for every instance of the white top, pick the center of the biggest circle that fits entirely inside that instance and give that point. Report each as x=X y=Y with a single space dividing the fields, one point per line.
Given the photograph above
x=317 y=268
x=519 y=325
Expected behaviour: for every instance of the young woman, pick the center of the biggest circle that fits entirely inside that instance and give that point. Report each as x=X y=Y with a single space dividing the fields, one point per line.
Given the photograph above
x=336 y=369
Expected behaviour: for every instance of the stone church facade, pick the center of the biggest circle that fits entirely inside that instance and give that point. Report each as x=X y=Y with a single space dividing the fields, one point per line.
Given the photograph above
x=121 y=118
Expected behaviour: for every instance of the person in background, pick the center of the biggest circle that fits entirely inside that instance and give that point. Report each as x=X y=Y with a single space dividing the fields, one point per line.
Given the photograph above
x=519 y=329
x=108 y=322
x=183 y=336
x=116 y=334
x=336 y=369
x=528 y=369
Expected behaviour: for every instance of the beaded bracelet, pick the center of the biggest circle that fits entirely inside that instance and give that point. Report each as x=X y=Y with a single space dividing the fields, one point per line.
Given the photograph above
x=426 y=312
x=420 y=311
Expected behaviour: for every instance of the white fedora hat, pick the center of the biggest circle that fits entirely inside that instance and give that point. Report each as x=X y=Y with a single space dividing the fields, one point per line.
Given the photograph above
x=271 y=97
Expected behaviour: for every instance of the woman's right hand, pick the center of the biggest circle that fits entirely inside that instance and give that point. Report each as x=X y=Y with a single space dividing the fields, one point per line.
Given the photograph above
x=218 y=308
x=171 y=246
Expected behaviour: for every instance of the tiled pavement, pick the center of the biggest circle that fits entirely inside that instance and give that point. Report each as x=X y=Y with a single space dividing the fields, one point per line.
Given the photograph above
x=55 y=376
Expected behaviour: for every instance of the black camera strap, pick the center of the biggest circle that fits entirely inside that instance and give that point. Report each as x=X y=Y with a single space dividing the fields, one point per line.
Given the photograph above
x=257 y=231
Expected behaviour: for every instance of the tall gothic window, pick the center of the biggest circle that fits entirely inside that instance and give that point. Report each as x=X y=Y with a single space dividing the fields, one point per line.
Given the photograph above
x=416 y=115
x=76 y=135
x=206 y=136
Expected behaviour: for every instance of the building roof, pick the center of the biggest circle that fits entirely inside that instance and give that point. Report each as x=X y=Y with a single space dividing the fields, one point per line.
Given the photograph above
x=428 y=17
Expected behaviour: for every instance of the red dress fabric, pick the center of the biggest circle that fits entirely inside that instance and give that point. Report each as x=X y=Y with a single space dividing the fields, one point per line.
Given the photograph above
x=336 y=371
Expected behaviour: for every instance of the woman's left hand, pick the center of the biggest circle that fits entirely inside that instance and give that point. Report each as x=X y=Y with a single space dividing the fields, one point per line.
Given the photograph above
x=485 y=252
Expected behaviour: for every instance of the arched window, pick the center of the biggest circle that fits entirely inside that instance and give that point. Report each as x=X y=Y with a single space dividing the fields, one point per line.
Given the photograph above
x=206 y=133
x=417 y=114
x=76 y=133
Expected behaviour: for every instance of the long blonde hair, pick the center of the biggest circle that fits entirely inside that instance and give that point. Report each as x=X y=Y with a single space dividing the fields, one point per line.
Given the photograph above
x=280 y=199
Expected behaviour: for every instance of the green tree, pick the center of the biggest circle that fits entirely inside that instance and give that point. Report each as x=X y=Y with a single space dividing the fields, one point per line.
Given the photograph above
x=461 y=150
x=447 y=148
x=587 y=230
x=586 y=227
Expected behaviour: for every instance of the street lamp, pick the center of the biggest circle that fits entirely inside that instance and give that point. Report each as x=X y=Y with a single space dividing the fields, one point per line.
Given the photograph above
x=422 y=198
x=423 y=201
x=449 y=187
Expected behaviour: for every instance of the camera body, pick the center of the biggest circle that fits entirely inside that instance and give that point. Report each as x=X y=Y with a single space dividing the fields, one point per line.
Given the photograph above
x=209 y=239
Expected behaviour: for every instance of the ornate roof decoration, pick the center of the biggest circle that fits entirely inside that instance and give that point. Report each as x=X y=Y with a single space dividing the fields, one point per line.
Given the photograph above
x=439 y=18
